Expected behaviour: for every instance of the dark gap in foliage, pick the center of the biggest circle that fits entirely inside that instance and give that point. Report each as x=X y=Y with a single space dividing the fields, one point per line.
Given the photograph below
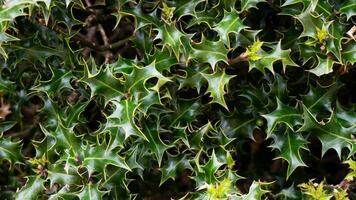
x=93 y=116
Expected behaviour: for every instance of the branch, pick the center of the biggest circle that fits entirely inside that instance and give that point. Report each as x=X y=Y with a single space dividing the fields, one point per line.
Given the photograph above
x=242 y=57
x=82 y=39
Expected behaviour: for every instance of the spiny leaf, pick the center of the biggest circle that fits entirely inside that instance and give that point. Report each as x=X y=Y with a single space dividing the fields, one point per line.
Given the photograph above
x=185 y=7
x=155 y=144
x=320 y=99
x=325 y=66
x=9 y=150
x=184 y=112
x=247 y=4
x=348 y=8
x=331 y=134
x=289 y=145
x=193 y=78
x=238 y=124
x=60 y=139
x=206 y=174
x=217 y=86
x=142 y=19
x=209 y=52
x=104 y=83
x=283 y=114
x=311 y=22
x=98 y=158
x=57 y=174
x=136 y=80
x=256 y=191
x=348 y=53
x=123 y=117
x=173 y=166
x=32 y=190
x=347 y=118
x=171 y=38
x=231 y=23
x=91 y=192
x=267 y=59
x=59 y=80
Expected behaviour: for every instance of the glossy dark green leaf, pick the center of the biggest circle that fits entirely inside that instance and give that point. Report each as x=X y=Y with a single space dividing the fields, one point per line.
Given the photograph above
x=247 y=4
x=10 y=150
x=331 y=134
x=285 y=114
x=123 y=117
x=91 y=192
x=231 y=23
x=217 y=86
x=289 y=144
x=348 y=8
x=155 y=144
x=32 y=190
x=209 y=52
x=267 y=59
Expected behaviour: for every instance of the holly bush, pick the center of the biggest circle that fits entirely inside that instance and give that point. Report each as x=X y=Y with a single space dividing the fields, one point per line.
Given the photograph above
x=177 y=99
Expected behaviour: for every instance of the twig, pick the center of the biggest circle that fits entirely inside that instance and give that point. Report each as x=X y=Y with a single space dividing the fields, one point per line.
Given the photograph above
x=240 y=58
x=93 y=45
x=351 y=33
x=107 y=54
x=88 y=3
x=103 y=34
x=90 y=35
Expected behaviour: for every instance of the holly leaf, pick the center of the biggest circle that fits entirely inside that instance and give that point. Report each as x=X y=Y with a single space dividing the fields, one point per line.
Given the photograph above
x=9 y=150
x=4 y=38
x=256 y=191
x=217 y=86
x=173 y=166
x=347 y=118
x=209 y=52
x=142 y=18
x=184 y=112
x=105 y=84
x=247 y=4
x=170 y=37
x=206 y=174
x=325 y=66
x=348 y=53
x=320 y=99
x=162 y=60
x=289 y=145
x=311 y=22
x=208 y=17
x=266 y=60
x=32 y=190
x=228 y=5
x=348 y=8
x=185 y=7
x=60 y=139
x=155 y=144
x=334 y=43
x=193 y=78
x=58 y=175
x=123 y=117
x=238 y=124
x=282 y=114
x=136 y=80
x=60 y=79
x=331 y=134
x=231 y=23
x=98 y=158
x=91 y=191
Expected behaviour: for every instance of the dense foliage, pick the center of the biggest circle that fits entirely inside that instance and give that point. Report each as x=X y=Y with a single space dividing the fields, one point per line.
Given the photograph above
x=181 y=99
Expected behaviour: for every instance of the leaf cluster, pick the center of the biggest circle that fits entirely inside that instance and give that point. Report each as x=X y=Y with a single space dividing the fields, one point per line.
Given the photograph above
x=183 y=99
